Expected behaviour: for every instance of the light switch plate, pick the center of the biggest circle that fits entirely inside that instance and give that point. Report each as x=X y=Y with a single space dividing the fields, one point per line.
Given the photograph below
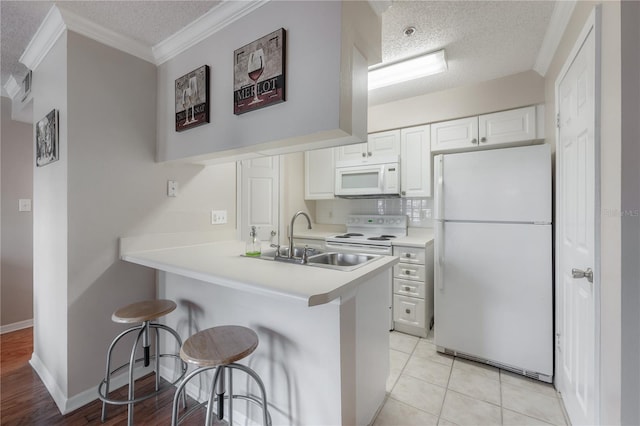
x=172 y=188
x=24 y=205
x=218 y=217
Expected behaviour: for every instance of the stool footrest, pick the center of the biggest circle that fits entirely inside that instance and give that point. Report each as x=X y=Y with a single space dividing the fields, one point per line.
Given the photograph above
x=105 y=398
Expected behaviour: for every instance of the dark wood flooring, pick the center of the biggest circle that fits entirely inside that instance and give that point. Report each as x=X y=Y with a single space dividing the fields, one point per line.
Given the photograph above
x=24 y=400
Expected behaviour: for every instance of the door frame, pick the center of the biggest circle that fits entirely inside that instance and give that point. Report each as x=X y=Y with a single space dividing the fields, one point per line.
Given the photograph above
x=593 y=23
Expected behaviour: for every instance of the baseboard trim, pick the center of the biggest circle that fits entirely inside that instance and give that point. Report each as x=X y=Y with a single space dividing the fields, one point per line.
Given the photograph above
x=8 y=328
x=66 y=405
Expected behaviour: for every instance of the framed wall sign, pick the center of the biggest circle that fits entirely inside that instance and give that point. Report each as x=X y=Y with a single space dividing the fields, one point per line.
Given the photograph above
x=258 y=73
x=192 y=99
x=47 y=139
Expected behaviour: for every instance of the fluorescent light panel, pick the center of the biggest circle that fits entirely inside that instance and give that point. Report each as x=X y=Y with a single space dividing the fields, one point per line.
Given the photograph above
x=410 y=69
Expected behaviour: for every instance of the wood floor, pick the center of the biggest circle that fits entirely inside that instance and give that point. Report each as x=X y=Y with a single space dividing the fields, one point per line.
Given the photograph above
x=24 y=400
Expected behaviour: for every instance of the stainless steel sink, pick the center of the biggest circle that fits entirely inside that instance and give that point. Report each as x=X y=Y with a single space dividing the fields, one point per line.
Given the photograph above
x=330 y=260
x=343 y=261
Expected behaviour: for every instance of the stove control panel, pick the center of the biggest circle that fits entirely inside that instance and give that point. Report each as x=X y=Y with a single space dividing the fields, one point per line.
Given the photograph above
x=373 y=221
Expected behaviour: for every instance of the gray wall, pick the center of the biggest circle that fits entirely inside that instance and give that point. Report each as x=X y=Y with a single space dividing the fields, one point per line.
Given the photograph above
x=16 y=277
x=631 y=213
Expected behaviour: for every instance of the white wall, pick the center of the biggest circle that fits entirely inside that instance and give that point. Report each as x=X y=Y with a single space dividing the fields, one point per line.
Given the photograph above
x=610 y=135
x=50 y=227
x=313 y=84
x=106 y=185
x=16 y=272
x=526 y=88
x=630 y=222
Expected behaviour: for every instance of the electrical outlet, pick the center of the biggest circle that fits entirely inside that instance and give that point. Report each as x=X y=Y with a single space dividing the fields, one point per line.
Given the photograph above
x=172 y=188
x=218 y=217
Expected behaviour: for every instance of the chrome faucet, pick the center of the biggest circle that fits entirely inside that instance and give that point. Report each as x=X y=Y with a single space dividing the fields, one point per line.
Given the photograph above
x=293 y=219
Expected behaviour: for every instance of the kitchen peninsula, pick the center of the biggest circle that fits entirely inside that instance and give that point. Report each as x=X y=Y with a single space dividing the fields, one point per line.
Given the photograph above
x=323 y=351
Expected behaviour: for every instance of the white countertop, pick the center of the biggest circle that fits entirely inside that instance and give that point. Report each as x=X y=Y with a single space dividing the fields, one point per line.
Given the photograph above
x=221 y=263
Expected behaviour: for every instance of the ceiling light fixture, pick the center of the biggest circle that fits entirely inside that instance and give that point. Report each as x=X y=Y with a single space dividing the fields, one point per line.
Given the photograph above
x=407 y=69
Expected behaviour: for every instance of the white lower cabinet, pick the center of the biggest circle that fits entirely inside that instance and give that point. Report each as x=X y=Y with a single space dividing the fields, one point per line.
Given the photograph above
x=413 y=290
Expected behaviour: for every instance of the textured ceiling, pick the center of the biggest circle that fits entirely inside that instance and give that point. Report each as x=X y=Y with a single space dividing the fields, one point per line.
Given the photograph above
x=483 y=39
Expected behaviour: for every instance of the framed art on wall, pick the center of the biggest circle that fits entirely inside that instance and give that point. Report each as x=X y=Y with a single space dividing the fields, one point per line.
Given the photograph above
x=259 y=73
x=192 y=99
x=47 y=139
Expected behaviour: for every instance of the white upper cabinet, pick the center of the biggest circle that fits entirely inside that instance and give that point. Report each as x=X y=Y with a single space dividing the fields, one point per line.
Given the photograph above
x=457 y=135
x=511 y=127
x=415 y=161
x=383 y=144
x=508 y=126
x=319 y=174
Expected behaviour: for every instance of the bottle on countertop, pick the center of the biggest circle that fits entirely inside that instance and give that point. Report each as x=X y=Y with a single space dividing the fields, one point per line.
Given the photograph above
x=253 y=243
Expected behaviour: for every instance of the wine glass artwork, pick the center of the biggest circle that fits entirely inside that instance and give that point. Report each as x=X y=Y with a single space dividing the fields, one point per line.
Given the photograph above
x=259 y=73
x=191 y=96
x=255 y=69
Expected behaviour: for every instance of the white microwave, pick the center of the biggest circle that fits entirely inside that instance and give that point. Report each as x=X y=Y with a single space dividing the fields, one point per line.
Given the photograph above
x=377 y=179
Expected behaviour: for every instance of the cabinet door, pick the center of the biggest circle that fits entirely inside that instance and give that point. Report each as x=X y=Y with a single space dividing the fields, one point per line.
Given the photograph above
x=415 y=162
x=409 y=311
x=454 y=135
x=508 y=127
x=319 y=174
x=385 y=144
x=356 y=151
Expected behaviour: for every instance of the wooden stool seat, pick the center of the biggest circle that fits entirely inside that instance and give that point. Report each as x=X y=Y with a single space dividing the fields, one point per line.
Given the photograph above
x=143 y=311
x=220 y=345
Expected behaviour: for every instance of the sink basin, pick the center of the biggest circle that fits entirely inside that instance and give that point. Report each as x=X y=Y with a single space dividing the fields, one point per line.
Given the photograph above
x=330 y=260
x=344 y=261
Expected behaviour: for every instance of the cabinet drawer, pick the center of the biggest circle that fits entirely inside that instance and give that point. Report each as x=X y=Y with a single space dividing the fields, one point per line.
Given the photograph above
x=409 y=254
x=409 y=310
x=409 y=271
x=409 y=288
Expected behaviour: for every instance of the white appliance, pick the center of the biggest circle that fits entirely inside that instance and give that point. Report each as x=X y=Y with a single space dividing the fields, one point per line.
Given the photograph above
x=377 y=178
x=371 y=234
x=493 y=259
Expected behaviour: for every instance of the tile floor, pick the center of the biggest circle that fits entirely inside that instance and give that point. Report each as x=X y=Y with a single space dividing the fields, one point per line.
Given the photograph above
x=429 y=388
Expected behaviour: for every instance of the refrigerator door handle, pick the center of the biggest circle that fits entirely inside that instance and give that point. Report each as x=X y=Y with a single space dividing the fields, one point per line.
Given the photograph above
x=439 y=254
x=438 y=195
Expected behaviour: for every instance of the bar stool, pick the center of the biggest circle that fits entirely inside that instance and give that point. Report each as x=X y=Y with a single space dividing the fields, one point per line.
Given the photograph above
x=217 y=348
x=144 y=313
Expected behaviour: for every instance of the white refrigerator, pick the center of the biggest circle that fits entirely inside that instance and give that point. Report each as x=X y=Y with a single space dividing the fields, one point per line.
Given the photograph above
x=493 y=258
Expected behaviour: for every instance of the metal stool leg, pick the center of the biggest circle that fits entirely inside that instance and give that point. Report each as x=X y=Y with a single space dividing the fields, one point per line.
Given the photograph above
x=107 y=375
x=132 y=361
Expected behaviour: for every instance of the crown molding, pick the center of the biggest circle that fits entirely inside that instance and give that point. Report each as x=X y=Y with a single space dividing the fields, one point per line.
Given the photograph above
x=83 y=26
x=12 y=87
x=557 y=24
x=211 y=22
x=380 y=6
x=48 y=33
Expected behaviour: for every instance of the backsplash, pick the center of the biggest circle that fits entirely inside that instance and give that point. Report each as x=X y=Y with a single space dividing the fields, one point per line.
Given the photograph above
x=419 y=210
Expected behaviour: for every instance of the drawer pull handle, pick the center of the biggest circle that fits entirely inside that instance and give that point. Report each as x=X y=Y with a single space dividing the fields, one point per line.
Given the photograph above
x=408 y=272
x=407 y=311
x=407 y=288
x=408 y=255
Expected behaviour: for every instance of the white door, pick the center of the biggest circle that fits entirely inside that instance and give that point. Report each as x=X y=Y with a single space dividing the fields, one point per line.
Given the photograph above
x=577 y=317
x=319 y=174
x=357 y=151
x=260 y=198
